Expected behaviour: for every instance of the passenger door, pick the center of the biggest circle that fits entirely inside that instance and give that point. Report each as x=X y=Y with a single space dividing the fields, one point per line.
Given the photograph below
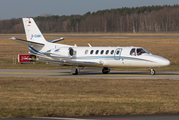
x=117 y=54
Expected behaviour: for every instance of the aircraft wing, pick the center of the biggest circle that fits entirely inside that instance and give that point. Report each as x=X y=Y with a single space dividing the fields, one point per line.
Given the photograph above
x=70 y=62
x=25 y=42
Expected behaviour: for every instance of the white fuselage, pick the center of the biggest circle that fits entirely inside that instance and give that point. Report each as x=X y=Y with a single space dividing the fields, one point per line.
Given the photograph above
x=106 y=56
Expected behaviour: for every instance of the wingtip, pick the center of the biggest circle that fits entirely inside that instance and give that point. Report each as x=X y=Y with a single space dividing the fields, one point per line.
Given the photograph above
x=12 y=38
x=62 y=38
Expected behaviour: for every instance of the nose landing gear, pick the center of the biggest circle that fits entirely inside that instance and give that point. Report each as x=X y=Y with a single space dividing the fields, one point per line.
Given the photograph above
x=152 y=71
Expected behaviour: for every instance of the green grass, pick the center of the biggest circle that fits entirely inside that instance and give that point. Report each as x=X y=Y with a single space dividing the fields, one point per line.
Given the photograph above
x=35 y=97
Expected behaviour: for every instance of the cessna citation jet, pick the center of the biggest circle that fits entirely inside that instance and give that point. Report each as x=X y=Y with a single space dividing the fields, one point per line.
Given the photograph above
x=76 y=57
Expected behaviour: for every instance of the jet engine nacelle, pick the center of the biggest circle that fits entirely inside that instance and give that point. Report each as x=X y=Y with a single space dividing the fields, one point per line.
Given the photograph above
x=65 y=52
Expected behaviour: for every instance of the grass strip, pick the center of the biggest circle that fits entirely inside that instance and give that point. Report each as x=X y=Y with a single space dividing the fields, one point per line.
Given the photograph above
x=37 y=97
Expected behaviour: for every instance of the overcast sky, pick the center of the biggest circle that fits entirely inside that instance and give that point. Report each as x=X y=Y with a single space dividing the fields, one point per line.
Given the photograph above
x=32 y=8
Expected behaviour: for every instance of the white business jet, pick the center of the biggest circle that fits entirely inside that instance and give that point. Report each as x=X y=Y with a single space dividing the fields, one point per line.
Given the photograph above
x=77 y=57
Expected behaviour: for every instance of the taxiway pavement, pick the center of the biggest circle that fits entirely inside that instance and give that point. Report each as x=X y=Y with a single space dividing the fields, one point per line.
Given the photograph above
x=116 y=117
x=89 y=73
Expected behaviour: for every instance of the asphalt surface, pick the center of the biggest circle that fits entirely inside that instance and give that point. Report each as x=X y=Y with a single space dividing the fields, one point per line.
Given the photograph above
x=89 y=73
x=99 y=36
x=117 y=117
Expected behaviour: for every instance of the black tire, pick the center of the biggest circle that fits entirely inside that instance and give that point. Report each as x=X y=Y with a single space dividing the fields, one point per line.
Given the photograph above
x=76 y=72
x=105 y=70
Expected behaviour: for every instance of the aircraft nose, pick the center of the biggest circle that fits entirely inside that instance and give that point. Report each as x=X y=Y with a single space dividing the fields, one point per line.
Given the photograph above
x=164 y=62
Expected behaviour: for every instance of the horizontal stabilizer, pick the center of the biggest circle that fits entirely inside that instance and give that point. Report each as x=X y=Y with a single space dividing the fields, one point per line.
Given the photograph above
x=56 y=40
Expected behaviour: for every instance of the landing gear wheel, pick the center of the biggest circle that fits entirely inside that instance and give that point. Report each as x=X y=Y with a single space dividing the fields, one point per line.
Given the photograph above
x=105 y=70
x=76 y=72
x=152 y=71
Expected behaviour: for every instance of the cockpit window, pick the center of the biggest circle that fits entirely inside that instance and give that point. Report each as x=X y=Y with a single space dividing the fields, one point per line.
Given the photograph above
x=138 y=51
x=141 y=51
x=146 y=51
x=133 y=52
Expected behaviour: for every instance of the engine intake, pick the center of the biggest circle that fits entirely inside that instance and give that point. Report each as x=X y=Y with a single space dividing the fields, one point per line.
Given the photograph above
x=66 y=52
x=71 y=51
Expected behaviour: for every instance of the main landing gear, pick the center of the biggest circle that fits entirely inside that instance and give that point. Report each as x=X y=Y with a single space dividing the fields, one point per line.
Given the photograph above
x=105 y=70
x=75 y=70
x=152 y=71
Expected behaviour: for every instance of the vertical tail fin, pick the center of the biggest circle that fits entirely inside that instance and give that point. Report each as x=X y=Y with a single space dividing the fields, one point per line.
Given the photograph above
x=32 y=31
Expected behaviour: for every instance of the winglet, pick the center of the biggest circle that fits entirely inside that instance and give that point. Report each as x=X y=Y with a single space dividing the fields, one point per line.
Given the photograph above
x=56 y=40
x=12 y=38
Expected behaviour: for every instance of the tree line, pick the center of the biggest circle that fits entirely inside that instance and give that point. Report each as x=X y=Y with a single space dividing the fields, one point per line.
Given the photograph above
x=140 y=19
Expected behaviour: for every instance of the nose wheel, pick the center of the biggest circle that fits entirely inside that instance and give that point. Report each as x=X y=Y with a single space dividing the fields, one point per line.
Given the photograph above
x=152 y=71
x=105 y=70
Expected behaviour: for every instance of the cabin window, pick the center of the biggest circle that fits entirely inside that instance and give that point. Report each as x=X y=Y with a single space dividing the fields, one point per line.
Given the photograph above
x=107 y=51
x=102 y=51
x=86 y=52
x=97 y=51
x=91 y=52
x=133 y=52
x=117 y=53
x=112 y=52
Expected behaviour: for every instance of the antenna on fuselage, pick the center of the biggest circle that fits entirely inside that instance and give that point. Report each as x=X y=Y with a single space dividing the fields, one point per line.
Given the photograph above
x=89 y=45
